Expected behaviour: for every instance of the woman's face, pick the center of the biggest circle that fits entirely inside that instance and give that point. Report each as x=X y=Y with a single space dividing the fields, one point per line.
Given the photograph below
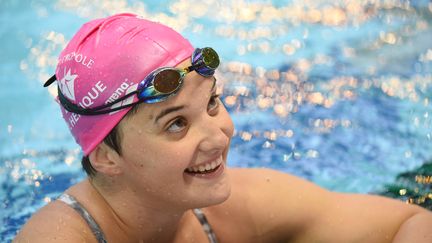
x=175 y=151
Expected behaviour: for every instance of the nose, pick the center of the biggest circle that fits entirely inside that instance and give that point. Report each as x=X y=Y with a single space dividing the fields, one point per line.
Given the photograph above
x=216 y=133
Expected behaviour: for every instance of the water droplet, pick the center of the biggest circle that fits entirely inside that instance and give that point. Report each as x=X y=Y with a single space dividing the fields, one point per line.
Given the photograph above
x=9 y=128
x=408 y=154
x=268 y=144
x=286 y=157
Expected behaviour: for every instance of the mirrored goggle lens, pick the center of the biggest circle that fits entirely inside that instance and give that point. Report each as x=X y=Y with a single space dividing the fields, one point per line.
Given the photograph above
x=167 y=81
x=211 y=58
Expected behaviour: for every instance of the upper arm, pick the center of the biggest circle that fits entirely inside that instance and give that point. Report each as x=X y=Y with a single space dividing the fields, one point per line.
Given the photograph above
x=277 y=205
x=55 y=223
x=363 y=218
x=285 y=207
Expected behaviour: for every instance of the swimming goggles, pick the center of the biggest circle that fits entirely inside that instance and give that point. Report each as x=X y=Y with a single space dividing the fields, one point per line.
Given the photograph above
x=157 y=86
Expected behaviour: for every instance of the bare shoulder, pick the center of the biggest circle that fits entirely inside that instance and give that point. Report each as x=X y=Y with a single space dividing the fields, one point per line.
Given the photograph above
x=266 y=177
x=280 y=197
x=267 y=205
x=283 y=207
x=270 y=187
x=55 y=222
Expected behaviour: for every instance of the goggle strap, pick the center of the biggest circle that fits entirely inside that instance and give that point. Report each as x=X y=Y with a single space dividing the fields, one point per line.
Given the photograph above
x=115 y=109
x=69 y=106
x=190 y=69
x=120 y=107
x=50 y=81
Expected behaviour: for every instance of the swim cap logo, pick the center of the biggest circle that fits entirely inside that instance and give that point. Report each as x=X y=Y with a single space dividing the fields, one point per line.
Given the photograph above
x=67 y=84
x=127 y=89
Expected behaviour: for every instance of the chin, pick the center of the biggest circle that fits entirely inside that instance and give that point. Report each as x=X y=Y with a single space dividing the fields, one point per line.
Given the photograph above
x=221 y=196
x=217 y=194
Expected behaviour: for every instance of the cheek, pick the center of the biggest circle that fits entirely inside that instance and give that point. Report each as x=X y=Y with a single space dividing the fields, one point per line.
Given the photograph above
x=137 y=150
x=177 y=155
x=153 y=155
x=228 y=125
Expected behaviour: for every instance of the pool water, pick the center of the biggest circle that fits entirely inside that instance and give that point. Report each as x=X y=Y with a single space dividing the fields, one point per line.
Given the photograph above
x=337 y=92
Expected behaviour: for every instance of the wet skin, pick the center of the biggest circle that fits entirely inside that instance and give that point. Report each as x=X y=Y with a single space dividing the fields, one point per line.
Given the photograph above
x=145 y=193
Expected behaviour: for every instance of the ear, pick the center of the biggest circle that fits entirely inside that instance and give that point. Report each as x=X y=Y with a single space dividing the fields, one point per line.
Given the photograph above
x=105 y=160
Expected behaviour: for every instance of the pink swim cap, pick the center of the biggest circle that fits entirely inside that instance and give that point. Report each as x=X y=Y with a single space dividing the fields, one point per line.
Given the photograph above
x=105 y=60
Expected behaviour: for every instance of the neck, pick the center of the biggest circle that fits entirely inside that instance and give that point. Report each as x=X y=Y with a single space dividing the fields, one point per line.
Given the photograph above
x=139 y=217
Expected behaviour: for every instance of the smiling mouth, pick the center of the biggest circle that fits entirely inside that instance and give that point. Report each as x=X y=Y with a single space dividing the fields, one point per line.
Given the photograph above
x=205 y=168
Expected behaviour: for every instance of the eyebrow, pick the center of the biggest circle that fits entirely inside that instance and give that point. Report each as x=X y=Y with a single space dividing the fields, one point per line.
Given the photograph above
x=177 y=108
x=167 y=111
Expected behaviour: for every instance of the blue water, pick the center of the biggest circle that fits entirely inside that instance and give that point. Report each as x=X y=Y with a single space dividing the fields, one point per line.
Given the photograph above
x=334 y=92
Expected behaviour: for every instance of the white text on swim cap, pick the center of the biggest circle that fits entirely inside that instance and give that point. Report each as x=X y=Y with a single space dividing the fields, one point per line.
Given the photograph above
x=87 y=101
x=79 y=58
x=92 y=95
x=73 y=119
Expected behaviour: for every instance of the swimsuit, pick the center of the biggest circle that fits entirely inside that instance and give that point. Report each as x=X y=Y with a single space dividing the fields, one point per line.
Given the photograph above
x=98 y=233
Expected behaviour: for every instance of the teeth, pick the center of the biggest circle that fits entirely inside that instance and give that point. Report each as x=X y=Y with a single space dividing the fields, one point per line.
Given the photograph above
x=201 y=168
x=206 y=167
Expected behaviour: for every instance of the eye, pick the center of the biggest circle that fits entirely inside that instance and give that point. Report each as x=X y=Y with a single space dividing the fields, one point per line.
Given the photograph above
x=177 y=125
x=213 y=103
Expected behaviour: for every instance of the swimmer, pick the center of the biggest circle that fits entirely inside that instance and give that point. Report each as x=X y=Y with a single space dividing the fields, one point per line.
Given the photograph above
x=142 y=103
